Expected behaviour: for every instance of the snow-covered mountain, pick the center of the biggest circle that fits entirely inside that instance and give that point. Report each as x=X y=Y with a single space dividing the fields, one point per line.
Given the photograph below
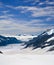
x=8 y=40
x=48 y=31
x=43 y=40
x=41 y=44
x=23 y=37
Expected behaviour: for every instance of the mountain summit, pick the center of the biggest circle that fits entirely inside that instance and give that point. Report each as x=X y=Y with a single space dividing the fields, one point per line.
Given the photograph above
x=43 y=40
x=48 y=32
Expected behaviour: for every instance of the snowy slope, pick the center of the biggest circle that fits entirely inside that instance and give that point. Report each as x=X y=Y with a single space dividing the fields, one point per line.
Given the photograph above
x=50 y=31
x=44 y=40
x=52 y=38
x=23 y=59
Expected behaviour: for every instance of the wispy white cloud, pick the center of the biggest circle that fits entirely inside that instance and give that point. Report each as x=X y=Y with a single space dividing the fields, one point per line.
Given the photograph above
x=50 y=19
x=5 y=11
x=46 y=3
x=36 y=12
x=11 y=26
x=8 y=24
x=6 y=16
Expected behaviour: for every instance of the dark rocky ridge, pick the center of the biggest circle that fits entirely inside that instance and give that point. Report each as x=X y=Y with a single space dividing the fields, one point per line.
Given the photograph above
x=40 y=41
x=8 y=40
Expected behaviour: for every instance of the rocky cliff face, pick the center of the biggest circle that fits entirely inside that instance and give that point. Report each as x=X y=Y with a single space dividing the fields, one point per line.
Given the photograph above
x=43 y=40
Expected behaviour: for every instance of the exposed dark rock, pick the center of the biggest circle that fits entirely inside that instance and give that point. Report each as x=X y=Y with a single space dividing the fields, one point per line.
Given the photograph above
x=8 y=40
x=51 y=49
x=40 y=41
x=1 y=52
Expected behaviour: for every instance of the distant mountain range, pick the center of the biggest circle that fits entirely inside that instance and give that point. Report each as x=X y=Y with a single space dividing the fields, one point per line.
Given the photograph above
x=8 y=40
x=43 y=40
x=11 y=39
x=21 y=37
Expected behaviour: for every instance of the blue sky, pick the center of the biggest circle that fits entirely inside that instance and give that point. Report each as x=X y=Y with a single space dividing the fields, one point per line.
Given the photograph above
x=26 y=16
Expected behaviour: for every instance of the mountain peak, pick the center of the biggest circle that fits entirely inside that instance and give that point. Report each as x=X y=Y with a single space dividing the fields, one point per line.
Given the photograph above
x=43 y=40
x=50 y=31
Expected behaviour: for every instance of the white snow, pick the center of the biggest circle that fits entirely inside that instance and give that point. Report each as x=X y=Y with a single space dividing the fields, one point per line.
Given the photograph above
x=52 y=38
x=49 y=32
x=18 y=49
x=14 y=54
x=23 y=59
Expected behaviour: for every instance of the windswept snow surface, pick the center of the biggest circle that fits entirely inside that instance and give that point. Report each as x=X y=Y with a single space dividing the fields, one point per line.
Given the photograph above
x=14 y=54
x=29 y=59
x=19 y=49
